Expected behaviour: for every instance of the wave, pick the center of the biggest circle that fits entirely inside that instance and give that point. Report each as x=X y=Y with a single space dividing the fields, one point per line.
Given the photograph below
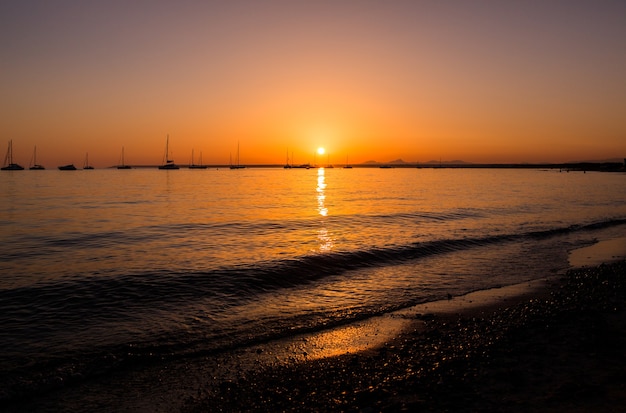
x=35 y=244
x=149 y=288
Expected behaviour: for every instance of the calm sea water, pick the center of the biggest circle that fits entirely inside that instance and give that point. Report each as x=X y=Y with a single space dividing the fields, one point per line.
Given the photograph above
x=105 y=267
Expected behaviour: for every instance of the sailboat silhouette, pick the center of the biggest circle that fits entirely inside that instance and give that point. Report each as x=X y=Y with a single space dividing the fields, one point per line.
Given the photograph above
x=9 y=165
x=35 y=166
x=237 y=166
x=193 y=165
x=169 y=163
x=86 y=165
x=122 y=165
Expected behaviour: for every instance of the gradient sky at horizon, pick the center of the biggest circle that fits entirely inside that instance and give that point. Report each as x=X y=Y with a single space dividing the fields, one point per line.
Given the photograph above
x=481 y=81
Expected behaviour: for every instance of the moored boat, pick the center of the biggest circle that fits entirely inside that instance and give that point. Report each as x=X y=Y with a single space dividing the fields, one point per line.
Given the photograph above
x=237 y=165
x=35 y=166
x=9 y=165
x=287 y=165
x=122 y=165
x=169 y=163
x=347 y=165
x=193 y=165
x=86 y=165
x=68 y=167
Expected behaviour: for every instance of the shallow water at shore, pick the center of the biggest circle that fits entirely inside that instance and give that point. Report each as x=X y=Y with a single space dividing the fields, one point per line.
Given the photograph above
x=382 y=350
x=560 y=350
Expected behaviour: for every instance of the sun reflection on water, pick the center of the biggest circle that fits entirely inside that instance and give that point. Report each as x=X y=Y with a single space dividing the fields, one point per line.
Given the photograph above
x=321 y=193
x=325 y=238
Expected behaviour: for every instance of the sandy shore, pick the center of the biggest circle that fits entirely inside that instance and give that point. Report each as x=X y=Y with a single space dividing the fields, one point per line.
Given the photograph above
x=553 y=344
x=559 y=347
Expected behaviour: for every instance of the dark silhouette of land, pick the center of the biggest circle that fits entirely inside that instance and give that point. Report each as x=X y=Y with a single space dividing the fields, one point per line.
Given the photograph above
x=563 y=167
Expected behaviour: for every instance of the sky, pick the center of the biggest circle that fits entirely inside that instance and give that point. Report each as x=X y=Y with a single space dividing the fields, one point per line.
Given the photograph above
x=479 y=81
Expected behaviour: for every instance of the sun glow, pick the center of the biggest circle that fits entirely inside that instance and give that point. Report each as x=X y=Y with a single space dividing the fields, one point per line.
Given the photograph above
x=321 y=151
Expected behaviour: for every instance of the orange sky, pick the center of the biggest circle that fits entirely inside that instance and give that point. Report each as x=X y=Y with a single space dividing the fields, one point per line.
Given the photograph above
x=480 y=81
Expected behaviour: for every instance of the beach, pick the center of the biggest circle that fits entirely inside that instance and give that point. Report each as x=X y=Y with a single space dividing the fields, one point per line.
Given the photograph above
x=557 y=349
x=553 y=344
x=325 y=290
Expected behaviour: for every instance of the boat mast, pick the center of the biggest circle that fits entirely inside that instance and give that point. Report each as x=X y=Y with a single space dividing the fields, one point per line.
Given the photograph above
x=8 y=159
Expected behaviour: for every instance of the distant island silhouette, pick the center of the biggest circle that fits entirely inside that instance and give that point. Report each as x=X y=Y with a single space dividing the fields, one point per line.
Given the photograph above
x=609 y=165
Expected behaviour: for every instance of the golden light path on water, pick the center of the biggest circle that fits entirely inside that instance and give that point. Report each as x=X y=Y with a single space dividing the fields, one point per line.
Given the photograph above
x=325 y=238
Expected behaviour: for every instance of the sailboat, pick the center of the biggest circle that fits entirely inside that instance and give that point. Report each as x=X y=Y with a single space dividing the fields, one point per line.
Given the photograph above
x=328 y=164
x=9 y=165
x=86 y=165
x=301 y=166
x=237 y=166
x=122 y=165
x=34 y=165
x=196 y=166
x=287 y=166
x=169 y=163
x=347 y=165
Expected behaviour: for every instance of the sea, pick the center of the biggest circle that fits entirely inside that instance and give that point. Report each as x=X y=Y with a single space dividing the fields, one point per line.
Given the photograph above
x=105 y=269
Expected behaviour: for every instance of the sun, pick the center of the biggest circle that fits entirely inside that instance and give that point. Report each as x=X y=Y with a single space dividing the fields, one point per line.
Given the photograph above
x=321 y=151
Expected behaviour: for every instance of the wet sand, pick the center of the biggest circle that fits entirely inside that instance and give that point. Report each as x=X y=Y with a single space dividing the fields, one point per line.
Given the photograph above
x=559 y=347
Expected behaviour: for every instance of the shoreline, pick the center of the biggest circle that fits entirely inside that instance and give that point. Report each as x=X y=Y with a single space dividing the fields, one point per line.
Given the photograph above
x=559 y=348
x=384 y=363
x=373 y=332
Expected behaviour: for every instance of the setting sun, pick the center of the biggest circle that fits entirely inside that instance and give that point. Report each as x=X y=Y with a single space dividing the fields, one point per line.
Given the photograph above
x=321 y=151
